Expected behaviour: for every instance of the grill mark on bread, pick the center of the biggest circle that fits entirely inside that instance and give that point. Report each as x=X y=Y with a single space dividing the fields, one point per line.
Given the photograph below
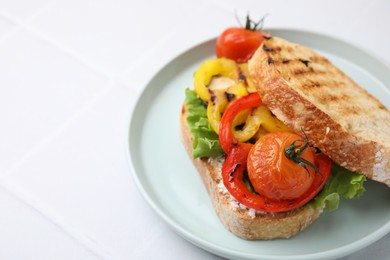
x=300 y=71
x=269 y=49
x=312 y=79
x=306 y=62
x=314 y=75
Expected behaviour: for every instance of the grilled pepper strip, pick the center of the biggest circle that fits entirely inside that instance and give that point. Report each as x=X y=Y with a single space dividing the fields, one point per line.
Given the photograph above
x=270 y=122
x=226 y=136
x=212 y=68
x=236 y=160
x=218 y=99
x=215 y=108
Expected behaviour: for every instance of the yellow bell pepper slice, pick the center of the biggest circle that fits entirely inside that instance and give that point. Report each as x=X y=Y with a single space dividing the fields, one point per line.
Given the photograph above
x=216 y=106
x=270 y=122
x=208 y=70
x=259 y=121
x=217 y=82
x=219 y=101
x=238 y=90
x=261 y=132
x=251 y=126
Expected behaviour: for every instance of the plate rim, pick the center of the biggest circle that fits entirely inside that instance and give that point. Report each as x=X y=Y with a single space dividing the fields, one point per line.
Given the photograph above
x=220 y=250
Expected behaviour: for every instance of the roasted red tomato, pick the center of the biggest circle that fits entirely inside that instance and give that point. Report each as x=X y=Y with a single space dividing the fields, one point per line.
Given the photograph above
x=274 y=175
x=240 y=43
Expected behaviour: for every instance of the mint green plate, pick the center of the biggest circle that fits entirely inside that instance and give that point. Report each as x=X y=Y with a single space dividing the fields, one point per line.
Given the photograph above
x=170 y=184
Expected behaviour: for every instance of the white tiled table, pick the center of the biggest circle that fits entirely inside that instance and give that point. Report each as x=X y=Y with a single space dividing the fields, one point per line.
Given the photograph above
x=69 y=73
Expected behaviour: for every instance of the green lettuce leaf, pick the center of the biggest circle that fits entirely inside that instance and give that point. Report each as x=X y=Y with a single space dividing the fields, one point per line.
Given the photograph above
x=205 y=140
x=342 y=183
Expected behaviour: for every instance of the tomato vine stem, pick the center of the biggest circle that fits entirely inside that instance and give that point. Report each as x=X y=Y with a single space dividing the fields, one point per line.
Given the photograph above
x=250 y=24
x=295 y=150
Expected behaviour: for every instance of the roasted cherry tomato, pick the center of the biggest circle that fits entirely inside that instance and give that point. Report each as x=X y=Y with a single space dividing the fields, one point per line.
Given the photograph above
x=274 y=175
x=240 y=43
x=316 y=167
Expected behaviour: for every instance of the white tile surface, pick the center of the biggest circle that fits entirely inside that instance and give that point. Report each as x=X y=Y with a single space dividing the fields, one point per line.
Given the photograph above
x=25 y=234
x=70 y=71
x=21 y=9
x=112 y=33
x=5 y=26
x=87 y=162
x=46 y=87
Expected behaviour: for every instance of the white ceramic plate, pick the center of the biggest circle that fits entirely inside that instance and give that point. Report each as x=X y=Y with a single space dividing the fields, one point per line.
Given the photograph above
x=171 y=185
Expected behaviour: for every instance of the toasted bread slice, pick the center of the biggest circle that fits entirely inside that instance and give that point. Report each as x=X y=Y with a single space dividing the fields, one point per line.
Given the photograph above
x=307 y=92
x=240 y=220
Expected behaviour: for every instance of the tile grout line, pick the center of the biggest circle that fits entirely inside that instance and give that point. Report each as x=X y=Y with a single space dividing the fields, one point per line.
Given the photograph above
x=63 y=47
x=25 y=25
x=86 y=242
x=57 y=130
x=27 y=199
x=70 y=53
x=15 y=22
x=39 y=11
x=21 y=23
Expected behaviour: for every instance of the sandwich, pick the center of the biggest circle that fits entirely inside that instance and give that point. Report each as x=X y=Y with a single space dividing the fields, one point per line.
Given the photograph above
x=281 y=134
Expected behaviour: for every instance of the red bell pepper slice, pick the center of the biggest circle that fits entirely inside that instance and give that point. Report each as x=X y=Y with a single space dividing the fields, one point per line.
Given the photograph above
x=226 y=136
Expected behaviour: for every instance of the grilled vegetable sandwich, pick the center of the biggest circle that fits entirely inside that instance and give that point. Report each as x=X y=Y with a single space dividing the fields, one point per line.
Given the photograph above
x=278 y=134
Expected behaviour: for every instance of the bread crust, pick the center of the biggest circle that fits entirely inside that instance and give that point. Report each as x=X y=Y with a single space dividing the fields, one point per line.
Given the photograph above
x=307 y=92
x=238 y=219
